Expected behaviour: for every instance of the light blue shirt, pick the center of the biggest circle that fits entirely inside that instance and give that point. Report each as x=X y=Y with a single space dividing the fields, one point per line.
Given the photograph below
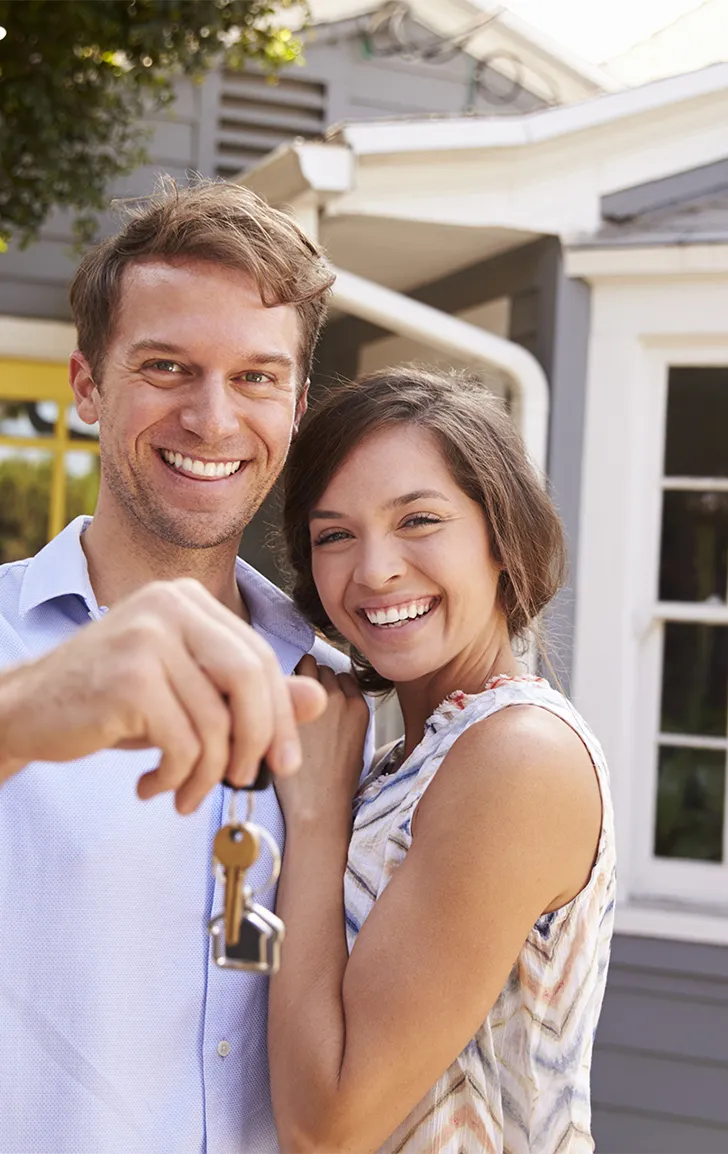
x=117 y=1034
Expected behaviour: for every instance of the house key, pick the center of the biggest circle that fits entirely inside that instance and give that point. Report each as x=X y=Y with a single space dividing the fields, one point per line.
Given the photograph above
x=236 y=848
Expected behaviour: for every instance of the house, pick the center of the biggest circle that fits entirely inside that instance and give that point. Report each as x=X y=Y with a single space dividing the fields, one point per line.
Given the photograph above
x=364 y=60
x=592 y=238
x=570 y=238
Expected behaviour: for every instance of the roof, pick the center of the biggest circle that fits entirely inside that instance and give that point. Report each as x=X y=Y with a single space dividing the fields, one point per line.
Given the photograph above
x=698 y=220
x=695 y=40
x=548 y=69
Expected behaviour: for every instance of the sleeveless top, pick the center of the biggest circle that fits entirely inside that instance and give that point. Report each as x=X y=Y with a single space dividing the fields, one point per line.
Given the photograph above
x=521 y=1085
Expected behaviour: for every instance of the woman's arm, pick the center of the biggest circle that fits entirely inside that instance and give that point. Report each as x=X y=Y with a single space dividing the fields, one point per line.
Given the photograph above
x=507 y=829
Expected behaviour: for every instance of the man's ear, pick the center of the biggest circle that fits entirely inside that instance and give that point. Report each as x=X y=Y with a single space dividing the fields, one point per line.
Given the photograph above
x=84 y=388
x=301 y=405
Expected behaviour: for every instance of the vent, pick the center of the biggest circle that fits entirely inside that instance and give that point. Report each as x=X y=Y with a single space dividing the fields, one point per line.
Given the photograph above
x=255 y=115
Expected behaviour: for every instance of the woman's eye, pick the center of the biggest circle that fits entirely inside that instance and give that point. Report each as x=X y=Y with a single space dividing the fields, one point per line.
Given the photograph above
x=418 y=519
x=330 y=537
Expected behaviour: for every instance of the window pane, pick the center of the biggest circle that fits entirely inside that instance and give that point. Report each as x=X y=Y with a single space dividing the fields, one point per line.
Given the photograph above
x=697 y=419
x=695 y=679
x=25 y=485
x=28 y=419
x=694 y=557
x=690 y=804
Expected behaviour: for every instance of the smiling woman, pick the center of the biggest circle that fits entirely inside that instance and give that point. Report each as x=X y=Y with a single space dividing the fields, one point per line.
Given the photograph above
x=445 y=997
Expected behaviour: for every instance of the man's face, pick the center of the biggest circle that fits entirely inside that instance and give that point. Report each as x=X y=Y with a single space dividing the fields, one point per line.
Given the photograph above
x=197 y=401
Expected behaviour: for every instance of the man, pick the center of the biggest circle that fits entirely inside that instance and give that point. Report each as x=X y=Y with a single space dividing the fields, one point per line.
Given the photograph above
x=196 y=329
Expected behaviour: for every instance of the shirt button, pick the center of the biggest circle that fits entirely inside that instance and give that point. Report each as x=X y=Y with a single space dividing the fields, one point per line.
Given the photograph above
x=223 y=1048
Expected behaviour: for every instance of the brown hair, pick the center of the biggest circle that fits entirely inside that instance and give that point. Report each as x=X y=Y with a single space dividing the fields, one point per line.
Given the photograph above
x=486 y=457
x=209 y=221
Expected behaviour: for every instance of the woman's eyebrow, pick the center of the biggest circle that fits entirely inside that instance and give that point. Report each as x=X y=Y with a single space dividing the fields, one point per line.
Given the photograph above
x=417 y=495
x=395 y=503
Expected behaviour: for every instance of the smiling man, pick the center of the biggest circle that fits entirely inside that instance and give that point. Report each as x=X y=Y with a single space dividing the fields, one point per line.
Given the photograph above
x=196 y=329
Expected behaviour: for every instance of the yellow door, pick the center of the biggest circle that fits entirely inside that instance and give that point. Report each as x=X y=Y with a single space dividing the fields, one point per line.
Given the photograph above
x=48 y=467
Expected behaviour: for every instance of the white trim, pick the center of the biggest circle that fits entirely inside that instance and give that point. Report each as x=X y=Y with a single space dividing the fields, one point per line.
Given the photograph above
x=452 y=133
x=36 y=340
x=698 y=612
x=645 y=262
x=640 y=328
x=678 y=923
x=695 y=484
x=409 y=318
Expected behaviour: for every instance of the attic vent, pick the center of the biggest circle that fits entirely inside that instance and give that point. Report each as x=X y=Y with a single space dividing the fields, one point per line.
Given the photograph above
x=254 y=116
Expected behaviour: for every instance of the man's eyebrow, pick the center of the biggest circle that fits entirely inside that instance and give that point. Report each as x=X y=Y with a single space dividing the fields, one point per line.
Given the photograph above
x=148 y=344
x=395 y=503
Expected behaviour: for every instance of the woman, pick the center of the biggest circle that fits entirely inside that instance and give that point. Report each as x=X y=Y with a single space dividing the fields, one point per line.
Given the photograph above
x=445 y=998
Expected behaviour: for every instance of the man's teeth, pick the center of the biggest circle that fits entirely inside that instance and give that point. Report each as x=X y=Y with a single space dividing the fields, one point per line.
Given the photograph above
x=398 y=613
x=200 y=468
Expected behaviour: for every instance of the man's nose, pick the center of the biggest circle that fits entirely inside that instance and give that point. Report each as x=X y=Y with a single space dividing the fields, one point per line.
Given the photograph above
x=378 y=563
x=211 y=411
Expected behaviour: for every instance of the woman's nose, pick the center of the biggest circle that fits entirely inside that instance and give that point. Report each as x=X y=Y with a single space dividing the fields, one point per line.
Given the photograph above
x=378 y=563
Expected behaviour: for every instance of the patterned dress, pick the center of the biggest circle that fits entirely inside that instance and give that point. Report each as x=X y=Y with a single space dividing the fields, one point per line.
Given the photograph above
x=521 y=1085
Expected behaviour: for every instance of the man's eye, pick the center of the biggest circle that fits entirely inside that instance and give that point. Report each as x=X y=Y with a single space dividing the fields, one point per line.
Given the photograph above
x=253 y=378
x=165 y=366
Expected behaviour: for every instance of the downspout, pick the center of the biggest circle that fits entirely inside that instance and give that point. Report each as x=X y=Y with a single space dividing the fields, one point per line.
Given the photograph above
x=409 y=318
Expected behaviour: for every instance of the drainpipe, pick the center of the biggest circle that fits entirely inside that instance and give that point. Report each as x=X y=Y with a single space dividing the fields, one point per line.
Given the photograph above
x=409 y=318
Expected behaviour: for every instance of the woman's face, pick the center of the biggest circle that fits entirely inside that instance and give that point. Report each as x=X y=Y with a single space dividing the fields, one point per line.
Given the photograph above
x=402 y=561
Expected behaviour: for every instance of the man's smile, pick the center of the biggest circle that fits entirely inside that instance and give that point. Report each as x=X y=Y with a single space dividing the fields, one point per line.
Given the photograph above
x=195 y=467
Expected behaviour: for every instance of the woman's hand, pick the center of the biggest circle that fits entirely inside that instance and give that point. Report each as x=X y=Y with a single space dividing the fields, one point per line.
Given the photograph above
x=333 y=751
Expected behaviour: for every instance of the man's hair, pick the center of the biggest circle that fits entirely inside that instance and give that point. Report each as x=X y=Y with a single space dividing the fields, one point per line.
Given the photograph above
x=486 y=458
x=211 y=221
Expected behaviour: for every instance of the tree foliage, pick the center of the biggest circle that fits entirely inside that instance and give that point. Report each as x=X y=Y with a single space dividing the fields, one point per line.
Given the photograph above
x=77 y=78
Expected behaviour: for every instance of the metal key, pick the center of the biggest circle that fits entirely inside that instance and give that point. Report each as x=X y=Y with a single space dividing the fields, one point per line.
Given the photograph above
x=236 y=848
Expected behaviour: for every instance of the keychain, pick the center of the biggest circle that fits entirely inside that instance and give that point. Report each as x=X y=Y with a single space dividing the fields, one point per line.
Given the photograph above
x=246 y=936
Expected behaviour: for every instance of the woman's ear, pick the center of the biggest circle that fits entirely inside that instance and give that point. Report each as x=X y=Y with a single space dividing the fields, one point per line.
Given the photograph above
x=84 y=388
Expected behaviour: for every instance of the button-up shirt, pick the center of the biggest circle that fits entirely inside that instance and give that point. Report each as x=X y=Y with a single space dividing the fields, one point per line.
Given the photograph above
x=117 y=1033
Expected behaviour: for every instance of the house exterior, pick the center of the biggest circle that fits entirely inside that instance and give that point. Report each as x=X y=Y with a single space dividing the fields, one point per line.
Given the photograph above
x=596 y=237
x=363 y=61
x=572 y=242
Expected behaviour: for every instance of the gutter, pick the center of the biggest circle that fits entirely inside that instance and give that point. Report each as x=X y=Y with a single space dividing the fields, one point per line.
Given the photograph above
x=409 y=318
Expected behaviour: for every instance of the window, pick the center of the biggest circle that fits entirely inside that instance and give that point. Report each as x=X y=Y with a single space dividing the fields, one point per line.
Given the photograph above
x=685 y=839
x=49 y=464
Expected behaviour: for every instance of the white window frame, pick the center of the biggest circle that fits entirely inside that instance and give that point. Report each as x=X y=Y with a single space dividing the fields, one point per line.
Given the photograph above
x=654 y=879
x=652 y=309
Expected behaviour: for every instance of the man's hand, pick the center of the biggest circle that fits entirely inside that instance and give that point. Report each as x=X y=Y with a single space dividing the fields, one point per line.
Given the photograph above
x=168 y=667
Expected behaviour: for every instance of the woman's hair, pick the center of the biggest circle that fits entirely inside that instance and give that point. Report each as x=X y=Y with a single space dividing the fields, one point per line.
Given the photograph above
x=486 y=458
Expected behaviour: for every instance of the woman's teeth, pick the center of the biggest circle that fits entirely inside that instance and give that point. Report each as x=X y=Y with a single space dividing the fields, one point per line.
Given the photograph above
x=397 y=614
x=200 y=468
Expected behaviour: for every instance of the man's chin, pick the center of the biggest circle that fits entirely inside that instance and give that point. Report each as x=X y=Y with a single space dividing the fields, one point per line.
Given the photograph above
x=196 y=531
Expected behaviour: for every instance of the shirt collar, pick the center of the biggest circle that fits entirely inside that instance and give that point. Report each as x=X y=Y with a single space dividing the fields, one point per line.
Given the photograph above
x=60 y=570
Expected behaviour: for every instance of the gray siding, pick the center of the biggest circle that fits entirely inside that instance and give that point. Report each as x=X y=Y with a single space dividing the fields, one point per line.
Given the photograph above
x=660 y=1074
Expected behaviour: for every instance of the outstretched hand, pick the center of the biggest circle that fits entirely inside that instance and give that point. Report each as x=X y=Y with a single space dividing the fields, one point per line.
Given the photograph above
x=168 y=667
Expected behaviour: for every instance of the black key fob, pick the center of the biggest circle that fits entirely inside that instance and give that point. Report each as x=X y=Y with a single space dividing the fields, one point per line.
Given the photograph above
x=262 y=781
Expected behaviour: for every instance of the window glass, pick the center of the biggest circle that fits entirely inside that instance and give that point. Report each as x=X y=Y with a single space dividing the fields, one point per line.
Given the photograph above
x=694 y=552
x=697 y=420
x=695 y=679
x=690 y=804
